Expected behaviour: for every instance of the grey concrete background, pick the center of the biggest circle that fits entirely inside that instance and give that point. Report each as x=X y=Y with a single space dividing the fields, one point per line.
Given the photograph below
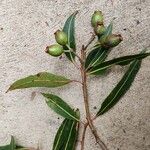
x=27 y=27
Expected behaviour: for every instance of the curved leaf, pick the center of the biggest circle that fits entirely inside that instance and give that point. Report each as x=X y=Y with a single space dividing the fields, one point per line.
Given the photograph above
x=121 y=88
x=96 y=70
x=69 y=29
x=60 y=107
x=43 y=79
x=66 y=135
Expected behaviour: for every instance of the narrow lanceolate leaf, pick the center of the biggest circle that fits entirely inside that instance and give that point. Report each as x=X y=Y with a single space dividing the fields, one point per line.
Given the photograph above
x=27 y=148
x=12 y=143
x=60 y=107
x=96 y=70
x=18 y=147
x=61 y=135
x=121 y=87
x=43 y=79
x=66 y=136
x=6 y=147
x=69 y=29
x=72 y=137
x=108 y=29
x=11 y=146
x=98 y=54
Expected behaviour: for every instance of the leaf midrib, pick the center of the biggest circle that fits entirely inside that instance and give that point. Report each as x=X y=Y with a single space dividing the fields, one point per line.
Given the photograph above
x=93 y=63
x=69 y=34
x=40 y=81
x=70 y=29
x=120 y=87
x=63 y=110
x=107 y=66
x=60 y=135
x=69 y=135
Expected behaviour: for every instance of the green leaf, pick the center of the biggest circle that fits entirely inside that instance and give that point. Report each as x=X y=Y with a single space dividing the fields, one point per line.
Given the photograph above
x=109 y=29
x=12 y=143
x=66 y=136
x=60 y=107
x=69 y=29
x=11 y=146
x=7 y=147
x=43 y=79
x=61 y=135
x=96 y=70
x=19 y=147
x=25 y=148
x=98 y=54
x=121 y=88
x=72 y=138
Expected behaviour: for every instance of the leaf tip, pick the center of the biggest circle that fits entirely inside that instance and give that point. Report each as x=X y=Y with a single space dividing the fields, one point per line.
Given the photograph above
x=144 y=50
x=9 y=89
x=112 y=21
x=78 y=114
x=76 y=12
x=44 y=94
x=98 y=114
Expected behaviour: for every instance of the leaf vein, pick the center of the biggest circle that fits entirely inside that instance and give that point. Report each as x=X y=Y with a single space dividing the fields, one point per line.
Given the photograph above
x=120 y=87
x=64 y=110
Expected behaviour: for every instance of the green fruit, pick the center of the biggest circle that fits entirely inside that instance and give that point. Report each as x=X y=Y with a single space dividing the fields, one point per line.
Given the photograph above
x=97 y=18
x=111 y=40
x=61 y=37
x=99 y=30
x=54 y=50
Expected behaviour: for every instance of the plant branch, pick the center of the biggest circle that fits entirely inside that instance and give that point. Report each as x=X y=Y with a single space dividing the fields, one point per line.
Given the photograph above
x=86 y=101
x=90 y=41
x=77 y=81
x=83 y=136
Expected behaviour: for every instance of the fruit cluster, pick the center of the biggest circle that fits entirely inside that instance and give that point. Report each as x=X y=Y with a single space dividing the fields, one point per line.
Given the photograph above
x=97 y=22
x=57 y=49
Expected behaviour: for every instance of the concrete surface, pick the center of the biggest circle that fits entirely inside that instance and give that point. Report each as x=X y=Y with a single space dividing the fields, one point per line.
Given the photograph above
x=27 y=27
